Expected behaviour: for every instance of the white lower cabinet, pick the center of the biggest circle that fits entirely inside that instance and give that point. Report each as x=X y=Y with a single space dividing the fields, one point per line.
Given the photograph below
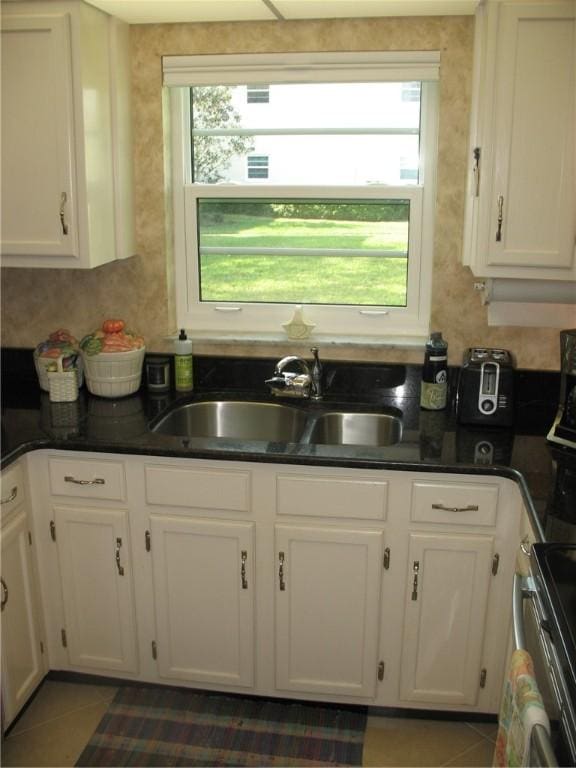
x=385 y=587
x=204 y=588
x=22 y=663
x=94 y=556
x=327 y=609
x=448 y=584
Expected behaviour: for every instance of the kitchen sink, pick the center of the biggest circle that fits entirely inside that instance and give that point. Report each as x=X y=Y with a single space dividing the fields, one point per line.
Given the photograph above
x=371 y=429
x=239 y=420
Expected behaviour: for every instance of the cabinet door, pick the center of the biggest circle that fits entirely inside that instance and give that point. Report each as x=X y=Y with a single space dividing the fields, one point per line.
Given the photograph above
x=38 y=194
x=521 y=209
x=204 y=599
x=22 y=666
x=446 y=600
x=97 y=586
x=327 y=610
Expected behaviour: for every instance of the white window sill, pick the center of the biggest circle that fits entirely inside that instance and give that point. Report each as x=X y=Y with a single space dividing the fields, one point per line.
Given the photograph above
x=318 y=340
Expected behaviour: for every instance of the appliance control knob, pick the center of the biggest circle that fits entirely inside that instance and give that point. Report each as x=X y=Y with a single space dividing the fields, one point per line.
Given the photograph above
x=487 y=406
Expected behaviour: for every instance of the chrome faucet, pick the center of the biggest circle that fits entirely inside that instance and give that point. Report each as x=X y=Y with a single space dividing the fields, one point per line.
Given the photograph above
x=306 y=384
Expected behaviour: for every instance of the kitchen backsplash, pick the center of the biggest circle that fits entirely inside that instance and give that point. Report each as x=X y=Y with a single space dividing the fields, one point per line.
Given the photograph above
x=140 y=289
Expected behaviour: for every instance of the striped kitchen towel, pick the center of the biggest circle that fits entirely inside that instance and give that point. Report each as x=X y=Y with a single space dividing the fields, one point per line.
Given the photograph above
x=522 y=708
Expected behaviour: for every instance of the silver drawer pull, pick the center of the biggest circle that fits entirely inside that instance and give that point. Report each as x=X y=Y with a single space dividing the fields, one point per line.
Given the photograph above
x=96 y=481
x=13 y=494
x=469 y=508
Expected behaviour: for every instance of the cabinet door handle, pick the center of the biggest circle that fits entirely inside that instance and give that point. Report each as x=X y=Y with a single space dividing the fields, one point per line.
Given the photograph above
x=500 y=218
x=244 y=557
x=63 y=201
x=415 y=569
x=95 y=481
x=13 y=494
x=118 y=563
x=444 y=508
x=281 y=581
x=4 y=594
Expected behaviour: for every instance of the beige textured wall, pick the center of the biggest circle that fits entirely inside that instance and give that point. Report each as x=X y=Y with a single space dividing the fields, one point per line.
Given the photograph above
x=35 y=302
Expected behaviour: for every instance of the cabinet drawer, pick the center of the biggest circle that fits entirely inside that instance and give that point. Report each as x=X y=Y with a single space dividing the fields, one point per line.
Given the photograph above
x=87 y=478
x=202 y=488
x=319 y=496
x=12 y=490
x=454 y=503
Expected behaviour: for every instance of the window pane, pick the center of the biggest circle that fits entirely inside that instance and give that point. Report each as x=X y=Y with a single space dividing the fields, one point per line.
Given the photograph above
x=329 y=133
x=325 y=251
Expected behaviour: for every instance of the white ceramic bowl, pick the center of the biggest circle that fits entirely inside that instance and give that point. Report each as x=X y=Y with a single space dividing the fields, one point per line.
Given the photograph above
x=114 y=374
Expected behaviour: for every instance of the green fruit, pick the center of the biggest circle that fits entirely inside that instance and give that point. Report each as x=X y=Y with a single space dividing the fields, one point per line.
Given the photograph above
x=91 y=345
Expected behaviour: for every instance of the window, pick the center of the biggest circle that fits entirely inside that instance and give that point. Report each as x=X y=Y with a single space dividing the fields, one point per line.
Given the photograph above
x=408 y=169
x=257 y=167
x=410 y=91
x=323 y=200
x=257 y=94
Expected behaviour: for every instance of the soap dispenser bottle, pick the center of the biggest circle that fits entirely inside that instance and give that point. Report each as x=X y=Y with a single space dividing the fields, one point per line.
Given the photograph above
x=183 y=369
x=434 y=390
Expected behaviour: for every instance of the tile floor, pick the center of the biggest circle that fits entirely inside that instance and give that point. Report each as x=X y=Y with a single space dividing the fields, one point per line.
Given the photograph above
x=62 y=717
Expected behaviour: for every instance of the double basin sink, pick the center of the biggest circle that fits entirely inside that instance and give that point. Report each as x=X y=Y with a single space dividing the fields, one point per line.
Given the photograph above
x=276 y=422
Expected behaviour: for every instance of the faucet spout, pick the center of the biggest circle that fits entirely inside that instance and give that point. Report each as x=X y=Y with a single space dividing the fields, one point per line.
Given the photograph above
x=281 y=364
x=304 y=383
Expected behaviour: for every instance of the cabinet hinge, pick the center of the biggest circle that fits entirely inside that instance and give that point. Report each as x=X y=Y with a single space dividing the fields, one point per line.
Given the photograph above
x=483 y=674
x=52 y=530
x=64 y=638
x=495 y=564
x=41 y=647
x=154 y=650
x=476 y=170
x=386 y=562
x=381 y=667
x=147 y=541
x=30 y=538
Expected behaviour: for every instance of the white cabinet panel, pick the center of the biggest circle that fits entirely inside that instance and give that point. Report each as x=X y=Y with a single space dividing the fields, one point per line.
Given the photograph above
x=329 y=496
x=454 y=503
x=87 y=478
x=198 y=487
x=521 y=208
x=446 y=600
x=97 y=585
x=66 y=152
x=327 y=609
x=22 y=665
x=204 y=586
x=36 y=165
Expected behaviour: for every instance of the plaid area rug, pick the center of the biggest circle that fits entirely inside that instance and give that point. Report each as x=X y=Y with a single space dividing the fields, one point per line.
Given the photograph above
x=166 y=727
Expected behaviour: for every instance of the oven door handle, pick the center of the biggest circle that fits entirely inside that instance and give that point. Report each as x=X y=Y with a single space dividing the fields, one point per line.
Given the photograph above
x=523 y=590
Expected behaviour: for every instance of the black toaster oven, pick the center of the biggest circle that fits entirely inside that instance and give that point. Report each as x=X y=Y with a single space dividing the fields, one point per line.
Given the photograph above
x=485 y=393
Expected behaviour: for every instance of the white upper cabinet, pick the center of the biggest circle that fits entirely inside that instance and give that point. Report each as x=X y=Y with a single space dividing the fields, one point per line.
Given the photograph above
x=521 y=204
x=66 y=142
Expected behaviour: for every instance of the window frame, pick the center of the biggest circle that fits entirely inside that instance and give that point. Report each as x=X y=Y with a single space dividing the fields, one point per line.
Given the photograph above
x=216 y=319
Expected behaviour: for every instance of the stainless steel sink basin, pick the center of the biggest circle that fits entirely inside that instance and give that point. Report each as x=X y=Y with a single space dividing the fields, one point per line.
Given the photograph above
x=371 y=429
x=235 y=419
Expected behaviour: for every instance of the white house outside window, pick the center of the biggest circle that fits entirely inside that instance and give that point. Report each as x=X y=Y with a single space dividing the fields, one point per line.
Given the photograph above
x=322 y=196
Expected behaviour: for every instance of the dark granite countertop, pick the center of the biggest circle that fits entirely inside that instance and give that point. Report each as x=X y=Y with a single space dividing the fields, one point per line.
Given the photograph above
x=431 y=441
